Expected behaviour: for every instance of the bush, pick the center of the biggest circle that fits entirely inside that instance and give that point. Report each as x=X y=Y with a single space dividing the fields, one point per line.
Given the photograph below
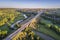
x=3 y=33
x=55 y=28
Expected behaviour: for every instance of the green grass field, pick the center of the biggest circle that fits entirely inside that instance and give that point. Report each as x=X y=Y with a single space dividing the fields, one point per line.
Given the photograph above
x=49 y=32
x=46 y=30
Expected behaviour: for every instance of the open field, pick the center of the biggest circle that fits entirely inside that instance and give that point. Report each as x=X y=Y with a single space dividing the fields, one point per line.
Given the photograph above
x=49 y=24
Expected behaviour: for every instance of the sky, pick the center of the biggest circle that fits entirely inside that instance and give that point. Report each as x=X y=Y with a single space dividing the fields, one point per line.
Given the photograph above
x=29 y=3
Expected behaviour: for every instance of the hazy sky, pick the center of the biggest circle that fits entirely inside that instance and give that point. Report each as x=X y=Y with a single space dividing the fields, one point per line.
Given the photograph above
x=30 y=3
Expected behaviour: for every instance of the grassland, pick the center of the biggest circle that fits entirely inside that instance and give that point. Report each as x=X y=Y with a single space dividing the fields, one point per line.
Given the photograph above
x=46 y=26
x=48 y=32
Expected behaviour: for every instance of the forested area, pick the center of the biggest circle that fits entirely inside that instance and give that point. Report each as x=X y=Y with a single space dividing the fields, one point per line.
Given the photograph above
x=28 y=34
x=7 y=18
